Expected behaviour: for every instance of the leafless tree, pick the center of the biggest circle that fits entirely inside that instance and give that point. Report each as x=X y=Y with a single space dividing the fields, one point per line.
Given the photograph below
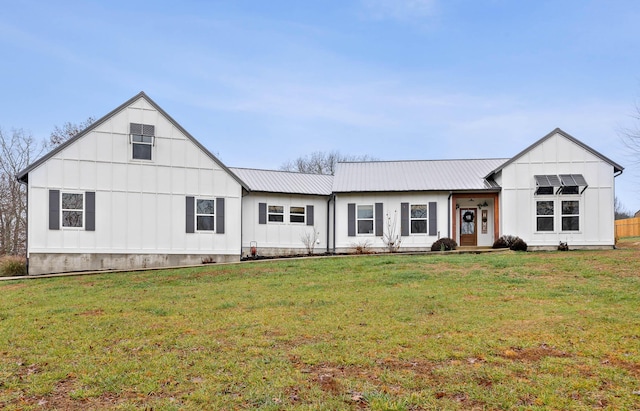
x=390 y=237
x=310 y=238
x=61 y=134
x=321 y=162
x=17 y=150
x=620 y=212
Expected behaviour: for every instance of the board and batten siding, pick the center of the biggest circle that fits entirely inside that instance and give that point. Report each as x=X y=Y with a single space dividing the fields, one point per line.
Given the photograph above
x=389 y=204
x=558 y=155
x=281 y=238
x=139 y=205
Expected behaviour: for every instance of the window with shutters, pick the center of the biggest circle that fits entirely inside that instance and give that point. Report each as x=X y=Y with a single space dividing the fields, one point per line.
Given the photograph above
x=72 y=209
x=364 y=219
x=142 y=139
x=418 y=218
x=205 y=215
x=296 y=214
x=275 y=214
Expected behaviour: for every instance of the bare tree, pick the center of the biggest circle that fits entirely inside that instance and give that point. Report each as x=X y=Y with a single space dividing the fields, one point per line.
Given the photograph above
x=17 y=150
x=61 y=134
x=321 y=162
x=620 y=212
x=310 y=238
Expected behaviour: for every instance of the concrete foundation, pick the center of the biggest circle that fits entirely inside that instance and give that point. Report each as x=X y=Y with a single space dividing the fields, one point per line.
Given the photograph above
x=47 y=263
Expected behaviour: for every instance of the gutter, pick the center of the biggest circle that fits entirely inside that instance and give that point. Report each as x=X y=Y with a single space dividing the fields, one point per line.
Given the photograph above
x=24 y=181
x=449 y=214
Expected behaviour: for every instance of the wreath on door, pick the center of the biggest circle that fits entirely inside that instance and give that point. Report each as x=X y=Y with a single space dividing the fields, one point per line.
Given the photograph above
x=467 y=217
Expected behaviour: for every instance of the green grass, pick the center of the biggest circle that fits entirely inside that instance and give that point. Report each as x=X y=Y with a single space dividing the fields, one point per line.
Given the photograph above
x=385 y=332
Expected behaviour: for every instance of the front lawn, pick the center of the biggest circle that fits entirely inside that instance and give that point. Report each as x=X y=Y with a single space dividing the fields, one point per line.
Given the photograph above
x=555 y=330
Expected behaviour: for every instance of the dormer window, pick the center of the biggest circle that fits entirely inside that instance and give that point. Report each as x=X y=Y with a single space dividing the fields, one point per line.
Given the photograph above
x=142 y=139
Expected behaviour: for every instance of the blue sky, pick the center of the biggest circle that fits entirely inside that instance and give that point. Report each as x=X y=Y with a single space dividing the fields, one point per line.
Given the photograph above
x=263 y=82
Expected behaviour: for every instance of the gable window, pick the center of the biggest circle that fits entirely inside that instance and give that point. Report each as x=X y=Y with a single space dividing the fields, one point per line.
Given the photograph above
x=418 y=219
x=72 y=210
x=275 y=214
x=365 y=219
x=142 y=140
x=205 y=215
x=296 y=214
x=544 y=215
x=570 y=216
x=573 y=184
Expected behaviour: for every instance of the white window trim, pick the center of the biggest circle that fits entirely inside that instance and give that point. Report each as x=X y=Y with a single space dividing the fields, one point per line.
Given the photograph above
x=557 y=214
x=270 y=214
x=83 y=210
x=426 y=220
x=552 y=216
x=303 y=214
x=373 y=220
x=195 y=215
x=573 y=197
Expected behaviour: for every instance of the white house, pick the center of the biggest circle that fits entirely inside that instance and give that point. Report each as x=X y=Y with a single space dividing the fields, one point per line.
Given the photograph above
x=133 y=190
x=136 y=190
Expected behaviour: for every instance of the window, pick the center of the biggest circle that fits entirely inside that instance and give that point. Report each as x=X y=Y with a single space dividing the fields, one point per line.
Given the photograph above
x=546 y=184
x=544 y=215
x=418 y=219
x=569 y=190
x=570 y=215
x=365 y=219
x=276 y=214
x=72 y=210
x=296 y=214
x=142 y=140
x=205 y=215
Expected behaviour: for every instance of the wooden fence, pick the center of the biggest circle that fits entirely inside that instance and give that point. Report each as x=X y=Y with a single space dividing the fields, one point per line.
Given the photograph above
x=629 y=227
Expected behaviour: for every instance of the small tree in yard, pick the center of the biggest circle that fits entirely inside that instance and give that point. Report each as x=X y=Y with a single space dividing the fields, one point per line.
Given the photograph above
x=390 y=237
x=309 y=238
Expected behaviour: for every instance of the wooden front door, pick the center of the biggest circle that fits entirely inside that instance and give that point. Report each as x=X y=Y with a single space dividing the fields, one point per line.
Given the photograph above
x=468 y=227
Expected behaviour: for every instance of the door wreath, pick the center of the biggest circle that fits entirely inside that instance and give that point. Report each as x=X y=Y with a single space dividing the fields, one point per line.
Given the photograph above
x=467 y=217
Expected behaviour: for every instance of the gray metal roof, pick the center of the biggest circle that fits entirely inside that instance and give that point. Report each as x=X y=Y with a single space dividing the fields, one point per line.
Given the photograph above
x=419 y=175
x=284 y=181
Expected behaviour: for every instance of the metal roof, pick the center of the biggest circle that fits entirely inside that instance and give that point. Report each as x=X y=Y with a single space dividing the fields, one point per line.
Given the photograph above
x=419 y=175
x=284 y=181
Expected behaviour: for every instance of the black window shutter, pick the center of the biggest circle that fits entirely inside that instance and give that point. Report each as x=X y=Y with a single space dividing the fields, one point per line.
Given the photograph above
x=433 y=218
x=351 y=216
x=309 y=215
x=379 y=219
x=54 y=209
x=404 y=219
x=190 y=215
x=90 y=210
x=262 y=213
x=219 y=215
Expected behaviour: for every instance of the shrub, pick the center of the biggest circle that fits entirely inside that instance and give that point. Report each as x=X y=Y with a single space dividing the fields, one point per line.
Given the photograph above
x=519 y=245
x=563 y=246
x=11 y=266
x=506 y=241
x=362 y=247
x=444 y=244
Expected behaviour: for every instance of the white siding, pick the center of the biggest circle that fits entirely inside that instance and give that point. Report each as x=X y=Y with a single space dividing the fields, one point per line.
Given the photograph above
x=391 y=207
x=140 y=205
x=558 y=155
x=285 y=236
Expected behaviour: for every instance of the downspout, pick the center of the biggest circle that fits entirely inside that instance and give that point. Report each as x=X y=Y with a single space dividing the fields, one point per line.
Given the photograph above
x=449 y=214
x=334 y=222
x=26 y=220
x=328 y=222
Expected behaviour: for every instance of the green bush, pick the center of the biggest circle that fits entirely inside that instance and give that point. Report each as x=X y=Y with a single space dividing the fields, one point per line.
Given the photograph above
x=11 y=266
x=444 y=244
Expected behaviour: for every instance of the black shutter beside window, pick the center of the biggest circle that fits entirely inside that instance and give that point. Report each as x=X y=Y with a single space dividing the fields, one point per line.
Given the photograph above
x=309 y=215
x=379 y=220
x=90 y=207
x=219 y=215
x=404 y=219
x=262 y=213
x=190 y=215
x=433 y=218
x=351 y=217
x=54 y=209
